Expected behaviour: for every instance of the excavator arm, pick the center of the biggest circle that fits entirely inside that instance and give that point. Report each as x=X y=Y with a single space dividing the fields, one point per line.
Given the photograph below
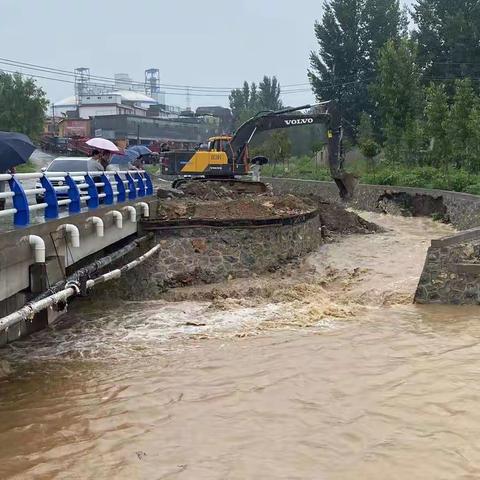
x=324 y=113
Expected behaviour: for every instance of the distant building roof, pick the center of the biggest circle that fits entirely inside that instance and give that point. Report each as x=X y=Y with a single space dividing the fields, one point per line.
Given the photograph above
x=132 y=96
x=127 y=96
x=67 y=102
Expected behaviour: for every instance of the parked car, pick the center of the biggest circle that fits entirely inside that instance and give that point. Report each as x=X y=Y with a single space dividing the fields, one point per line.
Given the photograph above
x=64 y=164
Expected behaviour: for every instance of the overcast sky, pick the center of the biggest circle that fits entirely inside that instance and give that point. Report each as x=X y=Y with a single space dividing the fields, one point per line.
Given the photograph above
x=214 y=43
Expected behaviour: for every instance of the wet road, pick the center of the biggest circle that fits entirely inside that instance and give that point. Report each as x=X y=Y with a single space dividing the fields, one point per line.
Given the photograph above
x=328 y=374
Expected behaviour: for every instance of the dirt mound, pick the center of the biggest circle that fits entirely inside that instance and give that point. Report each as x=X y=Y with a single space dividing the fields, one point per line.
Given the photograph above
x=221 y=201
x=336 y=219
x=209 y=190
x=258 y=206
x=245 y=206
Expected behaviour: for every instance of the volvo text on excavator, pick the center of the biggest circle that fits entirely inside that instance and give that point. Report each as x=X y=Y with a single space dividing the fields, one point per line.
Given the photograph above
x=226 y=157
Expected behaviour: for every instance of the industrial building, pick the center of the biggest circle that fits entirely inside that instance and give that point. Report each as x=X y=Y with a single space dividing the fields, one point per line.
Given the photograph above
x=133 y=111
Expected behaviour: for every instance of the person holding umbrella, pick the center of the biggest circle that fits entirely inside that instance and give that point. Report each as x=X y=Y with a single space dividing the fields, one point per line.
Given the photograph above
x=15 y=148
x=100 y=159
x=139 y=151
x=102 y=152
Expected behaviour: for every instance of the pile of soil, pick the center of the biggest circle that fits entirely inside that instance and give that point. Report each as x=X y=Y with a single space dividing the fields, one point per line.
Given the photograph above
x=211 y=190
x=219 y=201
x=336 y=219
x=244 y=207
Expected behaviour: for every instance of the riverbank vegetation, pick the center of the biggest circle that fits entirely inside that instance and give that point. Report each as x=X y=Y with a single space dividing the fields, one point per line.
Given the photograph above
x=22 y=105
x=459 y=180
x=408 y=86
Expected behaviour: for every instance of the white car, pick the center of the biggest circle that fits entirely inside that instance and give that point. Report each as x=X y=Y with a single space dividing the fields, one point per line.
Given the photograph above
x=65 y=164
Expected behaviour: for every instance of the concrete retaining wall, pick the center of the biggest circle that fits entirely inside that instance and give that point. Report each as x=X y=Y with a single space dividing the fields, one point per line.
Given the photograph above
x=210 y=254
x=451 y=273
x=463 y=209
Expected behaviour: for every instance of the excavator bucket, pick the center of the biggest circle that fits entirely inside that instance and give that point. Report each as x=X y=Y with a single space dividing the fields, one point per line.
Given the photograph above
x=346 y=184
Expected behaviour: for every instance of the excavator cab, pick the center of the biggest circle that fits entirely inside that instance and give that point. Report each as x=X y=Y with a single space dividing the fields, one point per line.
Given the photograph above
x=219 y=144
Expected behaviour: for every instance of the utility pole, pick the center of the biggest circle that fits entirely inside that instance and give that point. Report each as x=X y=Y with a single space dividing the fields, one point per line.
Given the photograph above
x=188 y=99
x=53 y=120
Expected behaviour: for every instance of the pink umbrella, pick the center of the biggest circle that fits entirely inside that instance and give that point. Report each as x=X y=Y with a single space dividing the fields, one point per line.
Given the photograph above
x=102 y=144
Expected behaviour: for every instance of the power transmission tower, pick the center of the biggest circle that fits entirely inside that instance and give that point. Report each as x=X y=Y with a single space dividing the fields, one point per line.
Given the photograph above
x=82 y=83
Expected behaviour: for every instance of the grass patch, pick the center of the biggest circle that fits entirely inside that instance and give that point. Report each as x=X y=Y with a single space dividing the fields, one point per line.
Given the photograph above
x=297 y=167
x=28 y=167
x=152 y=169
x=424 y=177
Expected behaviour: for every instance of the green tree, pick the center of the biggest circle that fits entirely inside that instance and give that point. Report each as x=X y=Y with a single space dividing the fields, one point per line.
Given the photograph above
x=412 y=149
x=365 y=128
x=277 y=147
x=460 y=126
x=349 y=36
x=399 y=98
x=336 y=70
x=447 y=33
x=250 y=99
x=243 y=102
x=22 y=105
x=381 y=20
x=474 y=143
x=268 y=97
x=437 y=115
x=366 y=141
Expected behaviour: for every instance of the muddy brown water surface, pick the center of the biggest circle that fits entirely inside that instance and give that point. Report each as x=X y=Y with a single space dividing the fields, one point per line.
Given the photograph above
x=323 y=371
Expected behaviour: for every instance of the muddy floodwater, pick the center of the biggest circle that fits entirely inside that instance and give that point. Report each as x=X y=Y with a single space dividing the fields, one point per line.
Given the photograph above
x=322 y=371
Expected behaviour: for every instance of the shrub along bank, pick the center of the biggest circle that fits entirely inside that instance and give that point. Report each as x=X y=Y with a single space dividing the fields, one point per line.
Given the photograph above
x=458 y=180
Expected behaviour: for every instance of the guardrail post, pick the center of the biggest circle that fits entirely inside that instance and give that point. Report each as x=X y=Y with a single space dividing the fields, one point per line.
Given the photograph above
x=73 y=194
x=141 y=185
x=92 y=202
x=51 y=210
x=20 y=203
x=121 y=195
x=107 y=190
x=132 y=194
x=148 y=183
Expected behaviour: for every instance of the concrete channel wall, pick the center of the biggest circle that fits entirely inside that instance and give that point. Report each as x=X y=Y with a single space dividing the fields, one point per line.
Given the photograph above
x=462 y=209
x=207 y=254
x=451 y=273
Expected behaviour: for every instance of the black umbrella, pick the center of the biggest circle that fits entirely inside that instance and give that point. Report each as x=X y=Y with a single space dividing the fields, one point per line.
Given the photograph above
x=15 y=148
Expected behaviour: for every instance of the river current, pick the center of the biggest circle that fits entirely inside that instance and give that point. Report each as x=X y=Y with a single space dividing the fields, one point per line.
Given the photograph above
x=322 y=371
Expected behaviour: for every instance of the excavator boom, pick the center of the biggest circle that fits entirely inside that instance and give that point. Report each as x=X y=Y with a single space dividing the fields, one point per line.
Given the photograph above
x=325 y=113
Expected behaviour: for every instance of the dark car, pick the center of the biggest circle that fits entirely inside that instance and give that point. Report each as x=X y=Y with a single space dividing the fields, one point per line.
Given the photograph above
x=65 y=164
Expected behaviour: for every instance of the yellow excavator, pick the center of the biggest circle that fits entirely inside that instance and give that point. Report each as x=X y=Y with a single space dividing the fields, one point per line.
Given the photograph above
x=226 y=157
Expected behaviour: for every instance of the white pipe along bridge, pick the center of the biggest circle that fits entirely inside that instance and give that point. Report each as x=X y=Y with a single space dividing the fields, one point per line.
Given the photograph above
x=64 y=225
